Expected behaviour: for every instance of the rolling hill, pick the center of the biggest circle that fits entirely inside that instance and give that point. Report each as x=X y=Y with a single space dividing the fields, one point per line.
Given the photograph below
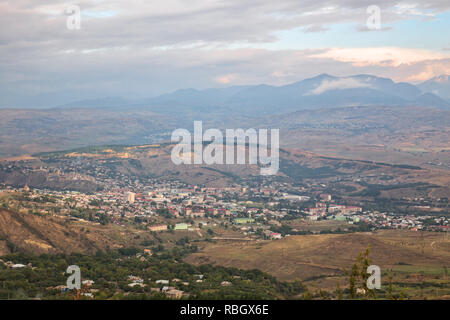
x=29 y=233
x=329 y=256
x=34 y=234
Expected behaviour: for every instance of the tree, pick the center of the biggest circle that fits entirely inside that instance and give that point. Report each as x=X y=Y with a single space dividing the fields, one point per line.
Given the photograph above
x=365 y=263
x=307 y=294
x=352 y=281
x=389 y=294
x=358 y=275
x=338 y=291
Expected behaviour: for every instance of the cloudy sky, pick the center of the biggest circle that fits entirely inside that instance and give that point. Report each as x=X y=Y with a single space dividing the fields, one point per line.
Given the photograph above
x=141 y=48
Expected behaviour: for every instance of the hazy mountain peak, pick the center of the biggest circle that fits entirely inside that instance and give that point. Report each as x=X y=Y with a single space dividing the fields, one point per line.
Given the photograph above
x=328 y=84
x=370 y=78
x=325 y=75
x=321 y=91
x=430 y=99
x=439 y=85
x=444 y=78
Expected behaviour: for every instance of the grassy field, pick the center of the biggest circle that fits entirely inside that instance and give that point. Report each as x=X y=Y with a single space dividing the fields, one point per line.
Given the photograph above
x=317 y=226
x=416 y=262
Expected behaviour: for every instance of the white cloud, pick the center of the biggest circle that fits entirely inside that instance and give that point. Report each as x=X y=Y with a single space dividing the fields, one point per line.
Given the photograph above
x=226 y=79
x=342 y=83
x=382 y=56
x=145 y=47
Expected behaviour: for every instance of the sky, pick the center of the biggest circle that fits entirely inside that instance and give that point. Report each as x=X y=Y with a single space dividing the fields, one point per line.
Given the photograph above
x=141 y=48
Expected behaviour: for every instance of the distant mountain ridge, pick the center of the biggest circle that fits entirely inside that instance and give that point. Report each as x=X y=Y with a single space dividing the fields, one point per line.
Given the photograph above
x=438 y=85
x=98 y=103
x=322 y=91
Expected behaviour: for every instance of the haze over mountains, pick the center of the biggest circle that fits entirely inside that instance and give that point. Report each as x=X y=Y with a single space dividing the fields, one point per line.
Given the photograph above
x=322 y=91
x=317 y=114
x=438 y=85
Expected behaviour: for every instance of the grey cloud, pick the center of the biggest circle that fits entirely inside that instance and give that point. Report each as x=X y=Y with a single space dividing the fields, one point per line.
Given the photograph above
x=316 y=28
x=149 y=47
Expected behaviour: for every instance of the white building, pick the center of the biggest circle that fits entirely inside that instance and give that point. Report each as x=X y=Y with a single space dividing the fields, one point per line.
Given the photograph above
x=130 y=197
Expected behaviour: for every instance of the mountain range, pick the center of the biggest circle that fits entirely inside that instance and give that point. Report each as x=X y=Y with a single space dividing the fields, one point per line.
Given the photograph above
x=322 y=91
x=315 y=114
x=438 y=85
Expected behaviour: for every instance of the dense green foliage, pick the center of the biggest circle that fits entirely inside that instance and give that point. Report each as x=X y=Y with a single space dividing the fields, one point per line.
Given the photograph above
x=111 y=270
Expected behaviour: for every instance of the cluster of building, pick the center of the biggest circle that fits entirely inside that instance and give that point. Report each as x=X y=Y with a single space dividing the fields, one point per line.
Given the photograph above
x=164 y=204
x=12 y=265
x=327 y=209
x=383 y=220
x=175 y=200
